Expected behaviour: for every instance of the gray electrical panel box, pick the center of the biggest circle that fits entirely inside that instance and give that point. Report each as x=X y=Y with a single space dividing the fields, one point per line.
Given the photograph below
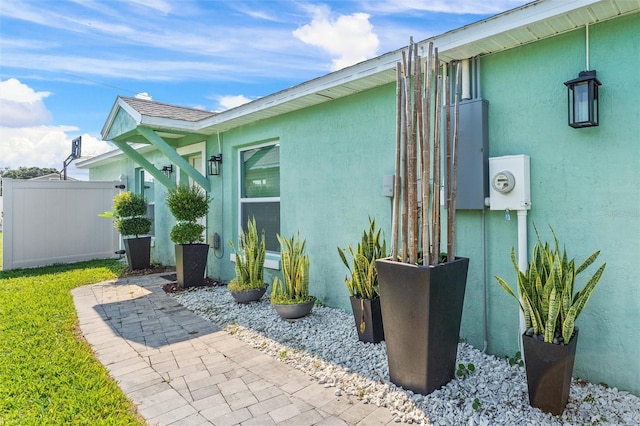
x=473 y=154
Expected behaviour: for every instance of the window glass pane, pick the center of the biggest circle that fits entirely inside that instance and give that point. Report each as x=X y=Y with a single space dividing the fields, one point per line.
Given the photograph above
x=261 y=172
x=267 y=217
x=151 y=213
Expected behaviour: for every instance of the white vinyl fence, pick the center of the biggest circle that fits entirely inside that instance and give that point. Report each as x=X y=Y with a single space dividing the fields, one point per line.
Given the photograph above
x=47 y=222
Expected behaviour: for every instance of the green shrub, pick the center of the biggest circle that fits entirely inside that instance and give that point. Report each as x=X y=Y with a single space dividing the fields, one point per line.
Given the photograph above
x=250 y=257
x=364 y=275
x=187 y=204
x=187 y=233
x=129 y=214
x=294 y=288
x=546 y=289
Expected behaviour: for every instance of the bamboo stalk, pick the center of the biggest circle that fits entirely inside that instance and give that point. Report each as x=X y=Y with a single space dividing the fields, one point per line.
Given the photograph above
x=396 y=179
x=413 y=159
x=449 y=153
x=405 y=200
x=436 y=164
x=418 y=125
x=451 y=218
x=426 y=157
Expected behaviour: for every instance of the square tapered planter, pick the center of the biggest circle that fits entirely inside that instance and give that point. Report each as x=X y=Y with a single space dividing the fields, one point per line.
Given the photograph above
x=421 y=313
x=549 y=369
x=368 y=311
x=191 y=263
x=138 y=252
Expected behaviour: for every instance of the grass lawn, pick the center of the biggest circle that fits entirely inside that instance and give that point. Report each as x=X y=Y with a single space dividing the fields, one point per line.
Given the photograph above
x=48 y=374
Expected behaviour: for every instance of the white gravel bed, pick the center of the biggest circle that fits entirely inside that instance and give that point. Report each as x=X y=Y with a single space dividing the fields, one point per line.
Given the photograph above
x=325 y=345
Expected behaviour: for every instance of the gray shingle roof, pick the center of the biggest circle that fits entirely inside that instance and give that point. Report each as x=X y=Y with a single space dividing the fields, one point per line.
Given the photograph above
x=157 y=109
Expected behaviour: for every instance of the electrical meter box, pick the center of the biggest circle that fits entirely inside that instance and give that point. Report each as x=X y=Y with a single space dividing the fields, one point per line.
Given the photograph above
x=509 y=183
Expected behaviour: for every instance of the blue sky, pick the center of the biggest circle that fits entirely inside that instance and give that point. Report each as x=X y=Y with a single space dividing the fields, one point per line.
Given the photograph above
x=64 y=62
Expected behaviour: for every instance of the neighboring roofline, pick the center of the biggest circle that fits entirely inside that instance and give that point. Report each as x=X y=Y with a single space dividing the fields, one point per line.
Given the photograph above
x=111 y=156
x=121 y=102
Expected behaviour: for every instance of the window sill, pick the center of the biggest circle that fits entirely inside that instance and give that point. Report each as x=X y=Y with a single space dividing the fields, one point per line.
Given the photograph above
x=272 y=261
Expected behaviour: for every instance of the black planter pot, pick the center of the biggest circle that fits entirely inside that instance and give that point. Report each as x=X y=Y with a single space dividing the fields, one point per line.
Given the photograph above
x=138 y=251
x=294 y=311
x=191 y=263
x=549 y=368
x=421 y=311
x=368 y=311
x=248 y=296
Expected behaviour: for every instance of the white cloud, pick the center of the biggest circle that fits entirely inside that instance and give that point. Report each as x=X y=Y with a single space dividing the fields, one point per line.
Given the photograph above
x=232 y=101
x=26 y=140
x=21 y=106
x=348 y=39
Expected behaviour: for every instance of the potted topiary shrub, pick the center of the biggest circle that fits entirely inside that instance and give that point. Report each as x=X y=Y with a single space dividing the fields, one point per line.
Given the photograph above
x=188 y=204
x=550 y=309
x=248 y=284
x=129 y=218
x=363 y=283
x=421 y=291
x=290 y=296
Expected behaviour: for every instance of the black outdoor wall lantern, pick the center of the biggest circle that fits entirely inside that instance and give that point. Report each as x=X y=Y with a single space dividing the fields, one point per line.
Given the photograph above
x=214 y=165
x=167 y=170
x=582 y=100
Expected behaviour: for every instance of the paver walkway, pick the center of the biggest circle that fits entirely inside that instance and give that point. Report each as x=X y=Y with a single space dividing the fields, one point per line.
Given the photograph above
x=180 y=369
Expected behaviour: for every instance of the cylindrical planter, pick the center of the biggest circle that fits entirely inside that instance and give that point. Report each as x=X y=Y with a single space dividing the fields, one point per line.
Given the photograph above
x=191 y=263
x=421 y=312
x=138 y=251
x=549 y=368
x=295 y=310
x=369 y=312
x=248 y=296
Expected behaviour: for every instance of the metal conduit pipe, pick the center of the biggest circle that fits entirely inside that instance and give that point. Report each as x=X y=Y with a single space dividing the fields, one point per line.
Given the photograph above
x=466 y=80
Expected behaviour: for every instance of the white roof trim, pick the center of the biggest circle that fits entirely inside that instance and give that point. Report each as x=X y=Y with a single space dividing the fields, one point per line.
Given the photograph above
x=461 y=43
x=111 y=156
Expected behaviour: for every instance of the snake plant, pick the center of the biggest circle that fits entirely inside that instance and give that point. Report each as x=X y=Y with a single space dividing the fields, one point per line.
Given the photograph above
x=364 y=275
x=294 y=287
x=250 y=257
x=546 y=289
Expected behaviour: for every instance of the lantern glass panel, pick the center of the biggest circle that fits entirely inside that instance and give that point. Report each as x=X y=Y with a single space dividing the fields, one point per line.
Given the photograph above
x=581 y=102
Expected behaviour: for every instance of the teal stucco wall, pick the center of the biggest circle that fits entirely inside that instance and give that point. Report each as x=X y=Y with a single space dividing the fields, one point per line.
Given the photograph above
x=584 y=183
x=332 y=160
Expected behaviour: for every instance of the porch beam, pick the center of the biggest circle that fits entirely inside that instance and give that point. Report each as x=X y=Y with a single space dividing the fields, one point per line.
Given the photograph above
x=174 y=157
x=144 y=163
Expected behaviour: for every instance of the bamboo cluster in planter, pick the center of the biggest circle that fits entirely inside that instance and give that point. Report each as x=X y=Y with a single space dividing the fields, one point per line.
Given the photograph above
x=422 y=293
x=419 y=141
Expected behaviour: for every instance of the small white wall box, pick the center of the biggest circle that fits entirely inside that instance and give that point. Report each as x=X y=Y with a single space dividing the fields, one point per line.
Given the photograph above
x=387 y=185
x=509 y=183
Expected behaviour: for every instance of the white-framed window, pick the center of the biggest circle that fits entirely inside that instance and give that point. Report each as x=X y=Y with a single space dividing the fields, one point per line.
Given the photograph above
x=260 y=190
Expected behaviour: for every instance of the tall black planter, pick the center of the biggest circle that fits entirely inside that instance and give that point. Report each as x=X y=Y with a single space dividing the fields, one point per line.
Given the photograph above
x=368 y=310
x=191 y=262
x=421 y=311
x=138 y=251
x=549 y=368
